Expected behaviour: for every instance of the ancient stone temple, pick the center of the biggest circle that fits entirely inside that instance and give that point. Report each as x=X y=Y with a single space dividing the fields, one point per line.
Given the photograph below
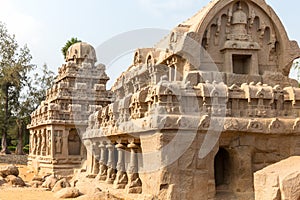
x=196 y=115
x=192 y=118
x=57 y=124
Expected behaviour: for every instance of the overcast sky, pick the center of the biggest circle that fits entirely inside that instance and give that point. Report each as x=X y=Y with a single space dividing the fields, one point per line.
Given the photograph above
x=45 y=25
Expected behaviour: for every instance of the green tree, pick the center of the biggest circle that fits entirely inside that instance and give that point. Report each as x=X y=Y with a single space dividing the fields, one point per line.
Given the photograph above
x=68 y=44
x=14 y=69
x=31 y=98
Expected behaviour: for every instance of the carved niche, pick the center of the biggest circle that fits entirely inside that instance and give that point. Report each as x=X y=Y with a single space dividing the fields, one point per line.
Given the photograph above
x=235 y=37
x=276 y=126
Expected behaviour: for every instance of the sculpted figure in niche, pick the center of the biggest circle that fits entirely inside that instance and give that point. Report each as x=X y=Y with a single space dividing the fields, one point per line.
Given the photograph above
x=229 y=17
x=48 y=148
x=58 y=143
x=253 y=15
x=280 y=102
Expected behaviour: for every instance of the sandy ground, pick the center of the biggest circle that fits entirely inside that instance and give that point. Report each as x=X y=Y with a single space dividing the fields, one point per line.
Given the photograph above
x=9 y=193
x=25 y=194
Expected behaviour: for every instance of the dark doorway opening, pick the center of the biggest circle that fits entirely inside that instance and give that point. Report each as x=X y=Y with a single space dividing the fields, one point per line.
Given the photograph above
x=241 y=64
x=74 y=143
x=222 y=167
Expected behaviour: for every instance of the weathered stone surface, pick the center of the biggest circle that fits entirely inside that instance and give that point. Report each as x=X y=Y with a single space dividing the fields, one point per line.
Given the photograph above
x=87 y=188
x=290 y=186
x=63 y=183
x=2 y=181
x=68 y=192
x=15 y=181
x=38 y=178
x=280 y=181
x=36 y=184
x=9 y=170
x=50 y=181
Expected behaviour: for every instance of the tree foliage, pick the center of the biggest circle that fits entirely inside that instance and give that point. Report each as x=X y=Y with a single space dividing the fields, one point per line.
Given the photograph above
x=68 y=44
x=14 y=69
x=20 y=93
x=31 y=98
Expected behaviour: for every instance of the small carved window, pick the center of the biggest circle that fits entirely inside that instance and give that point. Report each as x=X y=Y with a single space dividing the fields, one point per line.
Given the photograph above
x=149 y=61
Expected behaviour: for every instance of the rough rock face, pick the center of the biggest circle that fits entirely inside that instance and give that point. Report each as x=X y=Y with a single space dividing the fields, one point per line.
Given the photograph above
x=15 y=181
x=63 y=183
x=50 y=181
x=36 y=184
x=280 y=181
x=10 y=175
x=68 y=192
x=9 y=170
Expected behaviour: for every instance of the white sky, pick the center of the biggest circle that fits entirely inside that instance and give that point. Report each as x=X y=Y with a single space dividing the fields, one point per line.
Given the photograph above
x=46 y=25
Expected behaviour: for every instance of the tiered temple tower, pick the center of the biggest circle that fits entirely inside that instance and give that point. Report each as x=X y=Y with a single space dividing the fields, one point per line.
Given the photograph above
x=58 y=123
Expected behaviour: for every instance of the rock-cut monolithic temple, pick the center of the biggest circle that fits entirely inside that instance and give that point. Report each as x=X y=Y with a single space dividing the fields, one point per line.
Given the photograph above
x=192 y=118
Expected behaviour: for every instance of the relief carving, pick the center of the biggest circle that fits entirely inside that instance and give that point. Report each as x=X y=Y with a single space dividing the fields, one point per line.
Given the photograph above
x=255 y=125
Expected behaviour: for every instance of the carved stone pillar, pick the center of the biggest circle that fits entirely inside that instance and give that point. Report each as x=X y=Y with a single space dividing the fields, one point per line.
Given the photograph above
x=38 y=143
x=96 y=156
x=32 y=143
x=111 y=172
x=89 y=157
x=134 y=181
x=102 y=175
x=121 y=178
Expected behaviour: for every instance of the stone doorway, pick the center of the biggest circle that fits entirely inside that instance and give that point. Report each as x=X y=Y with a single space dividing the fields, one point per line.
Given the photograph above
x=74 y=143
x=222 y=171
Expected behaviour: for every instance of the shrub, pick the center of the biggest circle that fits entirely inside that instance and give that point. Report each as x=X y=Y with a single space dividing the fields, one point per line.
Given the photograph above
x=26 y=149
x=11 y=148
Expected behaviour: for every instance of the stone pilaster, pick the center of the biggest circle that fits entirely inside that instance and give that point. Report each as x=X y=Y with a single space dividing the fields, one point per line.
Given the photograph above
x=121 y=178
x=102 y=175
x=38 y=143
x=96 y=156
x=111 y=172
x=134 y=182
